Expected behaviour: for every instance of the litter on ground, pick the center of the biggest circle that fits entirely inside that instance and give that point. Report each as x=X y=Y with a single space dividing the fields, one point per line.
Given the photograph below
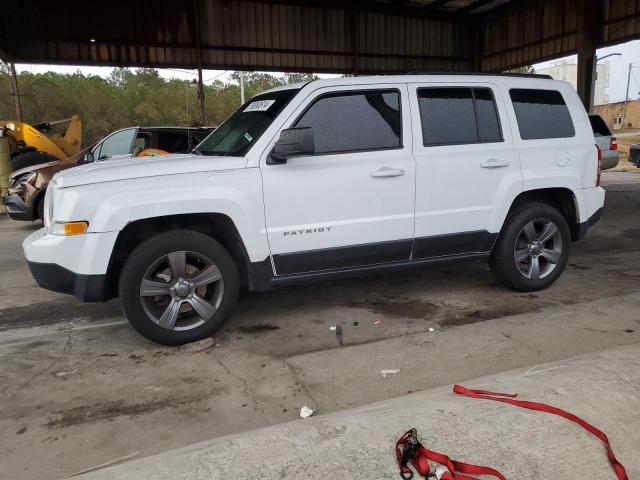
x=306 y=412
x=389 y=371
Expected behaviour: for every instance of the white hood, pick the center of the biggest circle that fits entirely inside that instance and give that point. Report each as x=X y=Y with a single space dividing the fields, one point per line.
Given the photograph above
x=127 y=168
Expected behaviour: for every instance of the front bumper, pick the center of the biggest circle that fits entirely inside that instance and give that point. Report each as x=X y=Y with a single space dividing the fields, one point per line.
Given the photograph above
x=76 y=265
x=88 y=288
x=17 y=209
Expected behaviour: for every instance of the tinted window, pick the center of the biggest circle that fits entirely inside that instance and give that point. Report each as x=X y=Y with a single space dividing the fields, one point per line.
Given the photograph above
x=600 y=128
x=488 y=120
x=541 y=114
x=354 y=121
x=447 y=116
x=458 y=115
x=174 y=142
x=117 y=144
x=197 y=137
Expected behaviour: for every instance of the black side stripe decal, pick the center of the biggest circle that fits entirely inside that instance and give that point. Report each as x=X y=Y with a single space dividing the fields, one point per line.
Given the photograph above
x=383 y=252
x=340 y=257
x=440 y=245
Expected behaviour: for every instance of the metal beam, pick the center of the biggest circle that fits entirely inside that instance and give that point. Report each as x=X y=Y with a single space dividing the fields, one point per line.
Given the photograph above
x=473 y=6
x=242 y=49
x=398 y=7
x=196 y=34
x=588 y=37
x=435 y=5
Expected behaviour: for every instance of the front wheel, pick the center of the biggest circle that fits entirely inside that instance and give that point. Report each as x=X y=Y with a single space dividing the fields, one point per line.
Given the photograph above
x=178 y=287
x=532 y=249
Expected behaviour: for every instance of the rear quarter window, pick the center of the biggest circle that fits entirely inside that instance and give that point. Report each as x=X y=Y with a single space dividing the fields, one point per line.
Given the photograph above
x=600 y=128
x=541 y=114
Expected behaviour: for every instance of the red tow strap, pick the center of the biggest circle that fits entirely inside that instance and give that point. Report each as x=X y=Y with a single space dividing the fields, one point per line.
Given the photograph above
x=410 y=450
x=541 y=407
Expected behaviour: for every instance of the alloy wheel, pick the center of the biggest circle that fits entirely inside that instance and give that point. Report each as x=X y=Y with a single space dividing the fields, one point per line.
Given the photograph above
x=538 y=249
x=181 y=290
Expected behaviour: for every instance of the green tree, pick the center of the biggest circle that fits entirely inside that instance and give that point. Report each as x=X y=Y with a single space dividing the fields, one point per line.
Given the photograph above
x=290 y=78
x=528 y=69
x=128 y=97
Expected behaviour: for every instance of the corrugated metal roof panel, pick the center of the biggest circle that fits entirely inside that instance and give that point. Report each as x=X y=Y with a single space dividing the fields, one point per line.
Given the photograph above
x=346 y=36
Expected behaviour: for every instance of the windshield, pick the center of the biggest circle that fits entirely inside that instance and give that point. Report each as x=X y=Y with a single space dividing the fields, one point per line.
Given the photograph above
x=242 y=129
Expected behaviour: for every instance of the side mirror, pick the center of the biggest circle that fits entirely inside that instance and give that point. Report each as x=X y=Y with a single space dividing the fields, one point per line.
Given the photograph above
x=88 y=158
x=292 y=142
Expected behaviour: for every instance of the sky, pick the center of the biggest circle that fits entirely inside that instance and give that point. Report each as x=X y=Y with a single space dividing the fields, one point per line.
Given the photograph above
x=618 y=70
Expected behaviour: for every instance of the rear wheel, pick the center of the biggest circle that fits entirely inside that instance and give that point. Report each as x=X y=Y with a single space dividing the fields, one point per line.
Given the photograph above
x=533 y=248
x=178 y=287
x=29 y=159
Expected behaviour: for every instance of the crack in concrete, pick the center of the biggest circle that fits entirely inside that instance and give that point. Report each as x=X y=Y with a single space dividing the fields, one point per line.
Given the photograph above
x=306 y=389
x=68 y=345
x=245 y=389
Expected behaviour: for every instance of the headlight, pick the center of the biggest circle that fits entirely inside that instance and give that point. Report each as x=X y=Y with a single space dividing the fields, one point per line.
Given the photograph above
x=48 y=206
x=25 y=178
x=10 y=126
x=69 y=228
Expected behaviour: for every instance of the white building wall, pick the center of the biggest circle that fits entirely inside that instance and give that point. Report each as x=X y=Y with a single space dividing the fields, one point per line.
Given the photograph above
x=564 y=70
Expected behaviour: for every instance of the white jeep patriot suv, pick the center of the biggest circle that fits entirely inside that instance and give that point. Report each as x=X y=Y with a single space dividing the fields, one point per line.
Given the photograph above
x=327 y=179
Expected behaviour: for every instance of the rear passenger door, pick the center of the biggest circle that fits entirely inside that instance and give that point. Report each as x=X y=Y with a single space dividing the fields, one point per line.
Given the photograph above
x=465 y=167
x=351 y=202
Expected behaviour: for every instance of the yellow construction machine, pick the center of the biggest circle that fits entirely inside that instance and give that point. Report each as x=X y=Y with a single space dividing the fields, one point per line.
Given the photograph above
x=35 y=144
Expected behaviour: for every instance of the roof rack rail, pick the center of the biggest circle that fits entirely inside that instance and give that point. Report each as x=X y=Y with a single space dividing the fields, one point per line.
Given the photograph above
x=485 y=74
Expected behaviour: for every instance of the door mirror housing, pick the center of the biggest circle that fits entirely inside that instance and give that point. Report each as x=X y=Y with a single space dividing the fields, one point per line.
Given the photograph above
x=292 y=142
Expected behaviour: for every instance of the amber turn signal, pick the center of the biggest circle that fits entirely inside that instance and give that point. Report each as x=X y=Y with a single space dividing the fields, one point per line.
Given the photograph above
x=70 y=228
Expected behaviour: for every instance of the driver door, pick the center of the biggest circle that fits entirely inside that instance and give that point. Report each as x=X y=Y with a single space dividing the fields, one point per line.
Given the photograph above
x=351 y=203
x=118 y=143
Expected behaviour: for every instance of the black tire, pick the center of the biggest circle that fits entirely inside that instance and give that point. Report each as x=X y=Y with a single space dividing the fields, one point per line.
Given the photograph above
x=502 y=261
x=29 y=159
x=39 y=207
x=144 y=256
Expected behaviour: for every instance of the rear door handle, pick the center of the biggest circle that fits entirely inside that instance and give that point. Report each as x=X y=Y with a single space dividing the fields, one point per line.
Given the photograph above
x=385 y=172
x=494 y=163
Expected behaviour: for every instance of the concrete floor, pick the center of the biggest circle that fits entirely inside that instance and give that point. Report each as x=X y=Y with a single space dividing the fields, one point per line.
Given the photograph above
x=79 y=387
x=601 y=387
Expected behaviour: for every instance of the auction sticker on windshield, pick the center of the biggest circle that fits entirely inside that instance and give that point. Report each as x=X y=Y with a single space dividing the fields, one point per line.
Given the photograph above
x=259 y=106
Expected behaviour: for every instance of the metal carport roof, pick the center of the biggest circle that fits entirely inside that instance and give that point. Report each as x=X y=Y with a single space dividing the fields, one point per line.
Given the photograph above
x=350 y=36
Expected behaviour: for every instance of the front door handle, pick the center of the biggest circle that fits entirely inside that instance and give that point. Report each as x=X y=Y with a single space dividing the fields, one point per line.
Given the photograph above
x=385 y=172
x=494 y=163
